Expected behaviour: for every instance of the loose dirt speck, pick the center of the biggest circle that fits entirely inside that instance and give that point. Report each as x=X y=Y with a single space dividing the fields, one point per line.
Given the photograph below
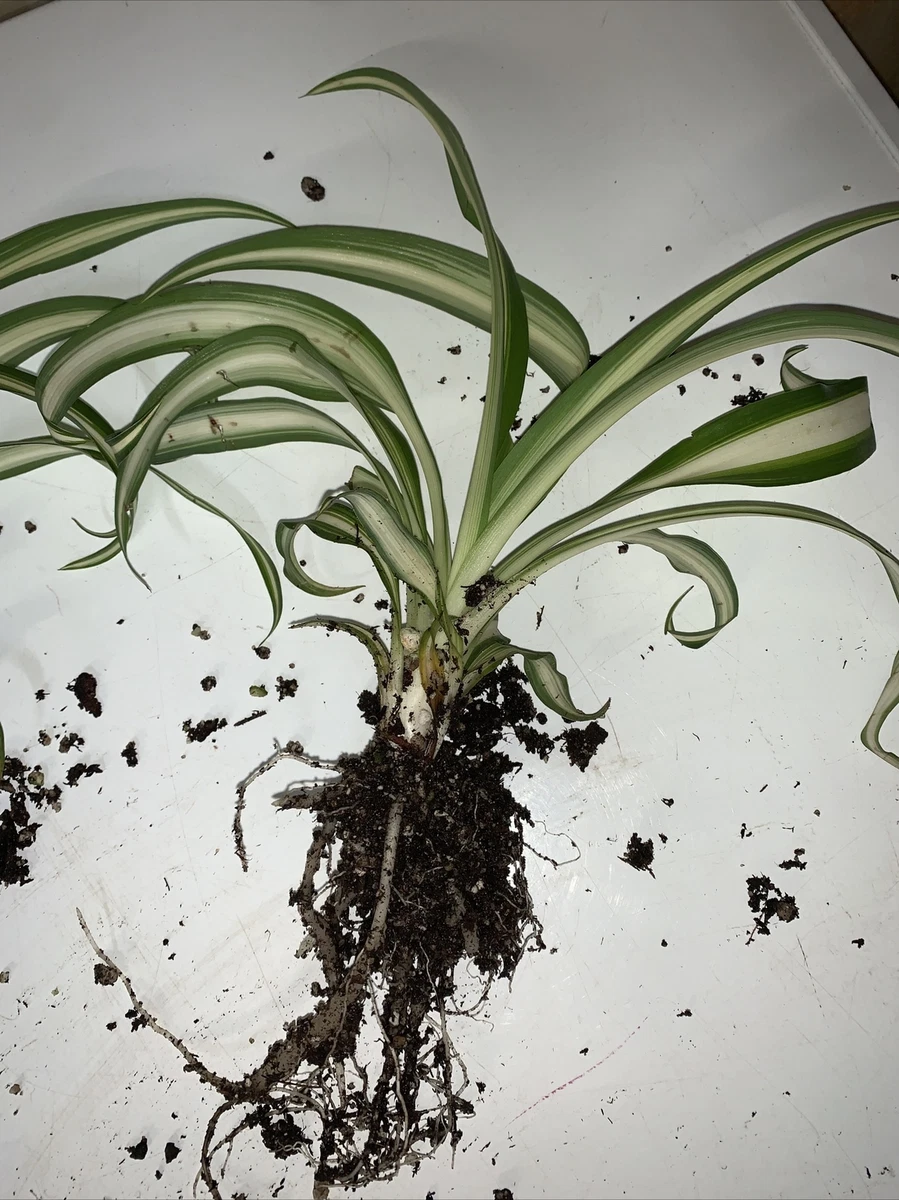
x=262 y=651
x=311 y=188
x=40 y=694
x=105 y=975
x=208 y=682
x=758 y=359
x=171 y=1151
x=30 y=526
x=130 y=754
x=80 y=771
x=685 y=1012
x=198 y=631
x=268 y=156
x=581 y=743
x=544 y=390
x=795 y=861
x=287 y=688
x=200 y=731
x=681 y=389
x=668 y=801
x=639 y=854
x=84 y=687
x=454 y=349
x=623 y=548
x=751 y=397
x=139 y=1150
x=737 y=377
x=768 y=902
x=70 y=741
x=442 y=379
x=858 y=942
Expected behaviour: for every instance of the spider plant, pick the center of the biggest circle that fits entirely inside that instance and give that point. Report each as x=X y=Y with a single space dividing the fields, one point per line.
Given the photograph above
x=446 y=592
x=446 y=588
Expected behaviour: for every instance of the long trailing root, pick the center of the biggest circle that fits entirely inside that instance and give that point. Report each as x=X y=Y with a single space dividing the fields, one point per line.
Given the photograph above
x=292 y=750
x=414 y=870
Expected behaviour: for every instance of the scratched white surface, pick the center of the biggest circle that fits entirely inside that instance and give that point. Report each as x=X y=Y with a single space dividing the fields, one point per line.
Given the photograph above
x=603 y=133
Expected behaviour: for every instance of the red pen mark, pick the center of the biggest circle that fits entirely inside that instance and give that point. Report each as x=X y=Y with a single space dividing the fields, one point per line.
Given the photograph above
x=575 y=1078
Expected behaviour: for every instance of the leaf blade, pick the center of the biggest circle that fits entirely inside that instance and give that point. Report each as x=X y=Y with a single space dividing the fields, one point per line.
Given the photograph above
x=449 y=278
x=67 y=240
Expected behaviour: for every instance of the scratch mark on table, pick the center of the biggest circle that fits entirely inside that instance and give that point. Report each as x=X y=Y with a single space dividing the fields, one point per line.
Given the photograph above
x=561 y=1087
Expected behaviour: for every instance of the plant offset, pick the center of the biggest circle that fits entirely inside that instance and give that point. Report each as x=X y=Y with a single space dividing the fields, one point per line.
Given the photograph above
x=417 y=864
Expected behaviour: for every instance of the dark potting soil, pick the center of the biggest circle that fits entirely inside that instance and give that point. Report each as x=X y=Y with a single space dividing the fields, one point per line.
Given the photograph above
x=444 y=842
x=639 y=854
x=768 y=902
x=23 y=789
x=311 y=188
x=199 y=731
x=85 y=689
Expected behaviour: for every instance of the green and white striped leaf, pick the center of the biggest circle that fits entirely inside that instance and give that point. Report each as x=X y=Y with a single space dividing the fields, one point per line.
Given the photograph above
x=407 y=557
x=491 y=648
x=540 y=460
x=67 y=240
x=662 y=333
x=34 y=327
x=692 y=557
x=629 y=528
x=790 y=437
x=242 y=425
x=443 y=276
x=365 y=634
x=96 y=558
x=259 y=356
x=285 y=536
x=189 y=317
x=886 y=703
x=508 y=316
x=551 y=687
x=28 y=454
x=261 y=557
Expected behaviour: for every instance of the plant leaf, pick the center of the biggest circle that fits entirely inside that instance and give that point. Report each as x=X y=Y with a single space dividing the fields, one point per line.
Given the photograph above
x=886 y=702
x=67 y=240
x=28 y=454
x=96 y=557
x=404 y=554
x=365 y=634
x=628 y=528
x=490 y=648
x=790 y=437
x=508 y=318
x=285 y=534
x=693 y=557
x=34 y=327
x=551 y=687
x=190 y=317
x=260 y=356
x=656 y=337
x=443 y=276
x=526 y=476
x=261 y=557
